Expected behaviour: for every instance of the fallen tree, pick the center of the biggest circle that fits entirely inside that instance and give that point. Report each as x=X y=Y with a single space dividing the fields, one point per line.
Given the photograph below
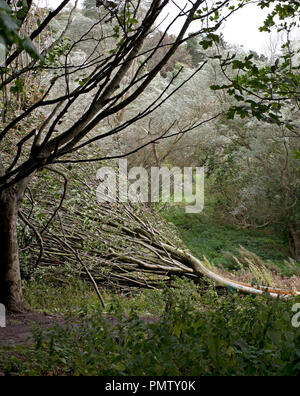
x=114 y=245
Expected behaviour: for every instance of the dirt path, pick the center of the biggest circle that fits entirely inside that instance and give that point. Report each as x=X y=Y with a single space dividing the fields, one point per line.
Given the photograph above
x=18 y=327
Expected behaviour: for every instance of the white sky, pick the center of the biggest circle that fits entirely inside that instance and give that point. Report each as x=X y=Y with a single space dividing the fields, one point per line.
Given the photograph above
x=241 y=28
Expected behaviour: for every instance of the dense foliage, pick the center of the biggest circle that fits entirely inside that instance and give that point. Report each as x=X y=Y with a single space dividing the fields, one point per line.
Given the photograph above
x=194 y=332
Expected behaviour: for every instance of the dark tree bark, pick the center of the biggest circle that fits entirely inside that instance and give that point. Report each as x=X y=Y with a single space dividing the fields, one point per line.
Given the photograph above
x=294 y=241
x=10 y=277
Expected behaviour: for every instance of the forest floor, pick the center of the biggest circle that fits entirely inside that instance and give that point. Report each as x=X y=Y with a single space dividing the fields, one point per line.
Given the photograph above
x=188 y=329
x=169 y=331
x=19 y=327
x=201 y=237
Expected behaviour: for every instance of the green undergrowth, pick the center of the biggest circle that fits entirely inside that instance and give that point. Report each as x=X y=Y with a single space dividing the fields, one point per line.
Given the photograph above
x=63 y=299
x=214 y=241
x=192 y=331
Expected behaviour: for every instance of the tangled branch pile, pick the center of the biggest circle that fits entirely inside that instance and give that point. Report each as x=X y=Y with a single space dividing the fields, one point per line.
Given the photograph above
x=115 y=245
x=122 y=245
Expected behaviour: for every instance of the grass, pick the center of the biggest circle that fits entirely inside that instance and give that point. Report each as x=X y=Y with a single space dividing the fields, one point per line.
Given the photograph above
x=212 y=240
x=78 y=295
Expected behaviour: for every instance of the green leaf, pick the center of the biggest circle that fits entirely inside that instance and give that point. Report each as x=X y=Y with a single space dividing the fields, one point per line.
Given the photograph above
x=30 y=48
x=296 y=154
x=9 y=32
x=4 y=6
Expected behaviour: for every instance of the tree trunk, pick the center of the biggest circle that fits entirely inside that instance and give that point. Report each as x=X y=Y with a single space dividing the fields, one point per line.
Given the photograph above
x=294 y=241
x=10 y=276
